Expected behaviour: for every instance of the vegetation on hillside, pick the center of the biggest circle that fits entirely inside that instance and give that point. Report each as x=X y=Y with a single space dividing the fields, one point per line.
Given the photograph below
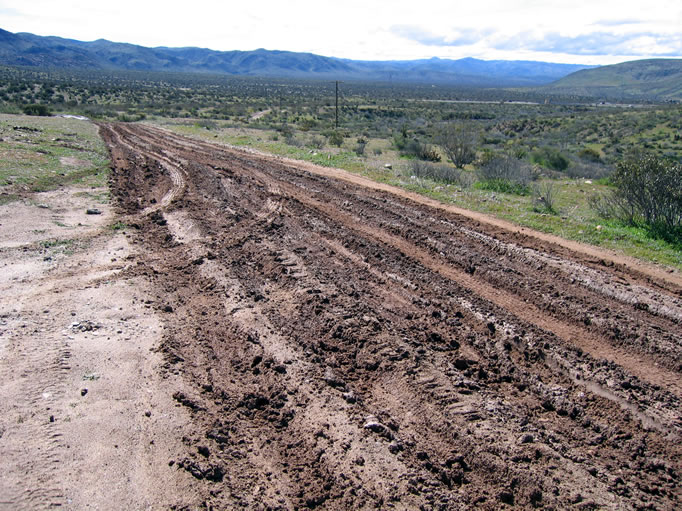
x=651 y=79
x=533 y=162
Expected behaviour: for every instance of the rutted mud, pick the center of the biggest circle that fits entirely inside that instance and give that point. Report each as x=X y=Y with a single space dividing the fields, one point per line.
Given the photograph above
x=350 y=348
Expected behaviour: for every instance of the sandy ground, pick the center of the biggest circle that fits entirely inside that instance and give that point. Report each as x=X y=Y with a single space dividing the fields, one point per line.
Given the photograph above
x=85 y=422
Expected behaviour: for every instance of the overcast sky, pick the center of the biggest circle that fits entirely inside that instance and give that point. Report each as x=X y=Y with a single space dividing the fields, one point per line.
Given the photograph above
x=576 y=31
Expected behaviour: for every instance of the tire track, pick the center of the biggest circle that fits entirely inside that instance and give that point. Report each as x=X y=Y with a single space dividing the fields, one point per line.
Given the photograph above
x=344 y=357
x=640 y=366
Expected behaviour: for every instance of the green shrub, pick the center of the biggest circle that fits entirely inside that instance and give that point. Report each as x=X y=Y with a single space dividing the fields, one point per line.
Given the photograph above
x=550 y=158
x=441 y=172
x=544 y=197
x=399 y=141
x=506 y=174
x=360 y=145
x=42 y=110
x=648 y=191
x=590 y=154
x=502 y=186
x=317 y=142
x=335 y=137
x=421 y=151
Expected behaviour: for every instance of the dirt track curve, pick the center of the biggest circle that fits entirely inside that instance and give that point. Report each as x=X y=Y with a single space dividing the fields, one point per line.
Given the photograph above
x=352 y=348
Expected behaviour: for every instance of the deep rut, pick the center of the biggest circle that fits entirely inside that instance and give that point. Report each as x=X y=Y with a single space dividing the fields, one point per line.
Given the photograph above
x=353 y=348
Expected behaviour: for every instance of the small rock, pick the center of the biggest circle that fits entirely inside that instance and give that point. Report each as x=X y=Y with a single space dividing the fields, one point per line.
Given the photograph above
x=372 y=424
x=332 y=380
x=388 y=166
x=148 y=413
x=394 y=447
x=84 y=392
x=349 y=397
x=506 y=497
x=93 y=211
x=526 y=438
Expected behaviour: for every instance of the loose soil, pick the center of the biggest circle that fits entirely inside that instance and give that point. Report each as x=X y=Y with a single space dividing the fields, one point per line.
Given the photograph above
x=336 y=344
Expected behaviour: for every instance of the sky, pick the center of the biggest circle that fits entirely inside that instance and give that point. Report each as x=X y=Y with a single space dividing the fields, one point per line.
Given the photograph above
x=577 y=31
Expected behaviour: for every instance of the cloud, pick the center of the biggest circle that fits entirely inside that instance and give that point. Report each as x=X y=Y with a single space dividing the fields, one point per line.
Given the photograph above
x=9 y=11
x=597 y=43
x=618 y=23
x=458 y=37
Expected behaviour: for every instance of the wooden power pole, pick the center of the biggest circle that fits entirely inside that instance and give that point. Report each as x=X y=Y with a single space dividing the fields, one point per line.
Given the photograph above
x=337 y=105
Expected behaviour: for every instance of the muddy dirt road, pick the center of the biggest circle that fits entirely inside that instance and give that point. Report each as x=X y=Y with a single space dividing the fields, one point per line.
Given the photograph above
x=344 y=347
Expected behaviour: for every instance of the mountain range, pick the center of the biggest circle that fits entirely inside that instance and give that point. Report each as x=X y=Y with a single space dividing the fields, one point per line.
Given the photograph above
x=23 y=49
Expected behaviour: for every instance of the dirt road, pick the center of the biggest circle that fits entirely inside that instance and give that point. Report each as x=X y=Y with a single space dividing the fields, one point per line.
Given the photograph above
x=345 y=347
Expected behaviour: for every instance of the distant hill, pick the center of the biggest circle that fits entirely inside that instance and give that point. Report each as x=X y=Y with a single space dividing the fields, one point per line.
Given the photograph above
x=24 y=49
x=656 y=79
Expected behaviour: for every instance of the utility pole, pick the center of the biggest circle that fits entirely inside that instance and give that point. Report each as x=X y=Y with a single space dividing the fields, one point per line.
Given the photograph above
x=337 y=105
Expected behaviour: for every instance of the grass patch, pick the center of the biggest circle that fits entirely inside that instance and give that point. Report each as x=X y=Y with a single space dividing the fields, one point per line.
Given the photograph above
x=119 y=226
x=7 y=198
x=502 y=186
x=56 y=243
x=43 y=153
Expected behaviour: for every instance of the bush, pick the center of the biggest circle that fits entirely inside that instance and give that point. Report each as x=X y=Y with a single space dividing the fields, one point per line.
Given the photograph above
x=550 y=158
x=360 y=145
x=335 y=138
x=506 y=174
x=293 y=141
x=42 y=110
x=419 y=150
x=317 y=142
x=459 y=143
x=399 y=141
x=589 y=154
x=648 y=192
x=442 y=172
x=544 y=196
x=286 y=130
